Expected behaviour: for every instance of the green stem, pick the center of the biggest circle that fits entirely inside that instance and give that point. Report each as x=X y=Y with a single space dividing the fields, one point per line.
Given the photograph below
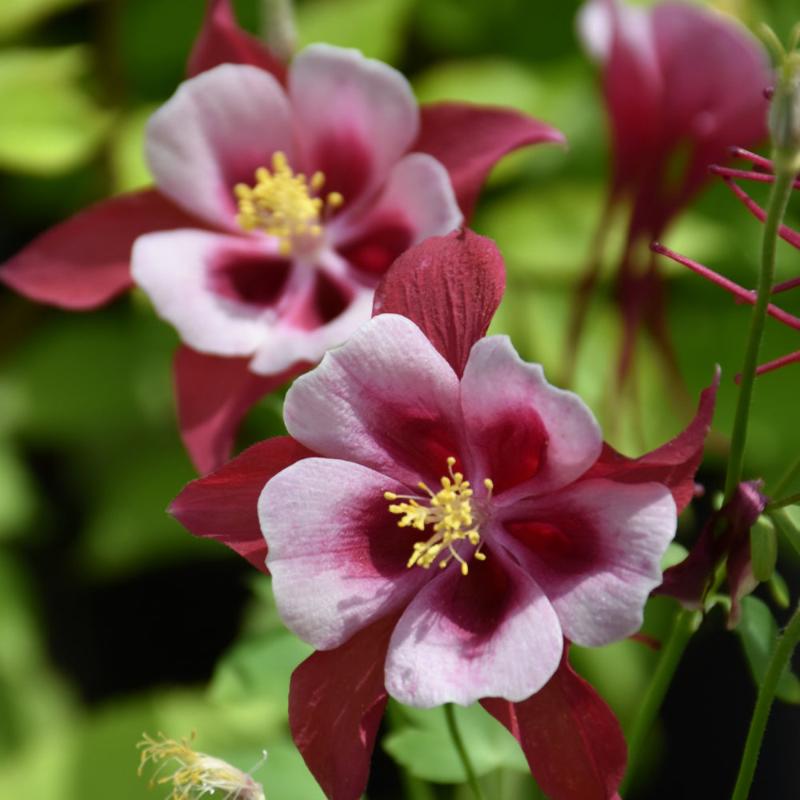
x=787 y=478
x=682 y=629
x=776 y=207
x=785 y=501
x=415 y=788
x=766 y=694
x=458 y=743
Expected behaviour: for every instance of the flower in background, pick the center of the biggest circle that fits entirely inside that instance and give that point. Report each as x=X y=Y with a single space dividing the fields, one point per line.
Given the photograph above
x=681 y=85
x=282 y=195
x=442 y=522
x=195 y=775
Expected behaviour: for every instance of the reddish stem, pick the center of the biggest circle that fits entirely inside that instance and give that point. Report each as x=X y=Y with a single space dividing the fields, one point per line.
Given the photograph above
x=745 y=295
x=785 y=232
x=753 y=158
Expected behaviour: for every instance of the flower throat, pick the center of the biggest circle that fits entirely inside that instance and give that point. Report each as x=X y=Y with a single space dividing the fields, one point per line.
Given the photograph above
x=451 y=514
x=285 y=204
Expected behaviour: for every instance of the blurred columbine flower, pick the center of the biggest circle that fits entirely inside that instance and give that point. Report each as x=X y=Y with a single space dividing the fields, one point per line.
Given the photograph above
x=194 y=775
x=282 y=194
x=440 y=521
x=681 y=85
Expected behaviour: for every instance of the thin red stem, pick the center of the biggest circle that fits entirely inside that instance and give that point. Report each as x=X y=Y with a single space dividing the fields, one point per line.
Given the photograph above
x=745 y=174
x=786 y=285
x=745 y=295
x=785 y=232
x=753 y=158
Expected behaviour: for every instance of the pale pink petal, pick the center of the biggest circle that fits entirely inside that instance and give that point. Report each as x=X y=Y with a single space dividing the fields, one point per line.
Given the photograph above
x=306 y=328
x=595 y=548
x=527 y=434
x=386 y=399
x=214 y=132
x=354 y=117
x=337 y=557
x=491 y=633
x=417 y=199
x=185 y=273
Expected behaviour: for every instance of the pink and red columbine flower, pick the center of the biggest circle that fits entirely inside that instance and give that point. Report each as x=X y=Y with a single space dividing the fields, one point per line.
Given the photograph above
x=282 y=195
x=442 y=522
x=681 y=85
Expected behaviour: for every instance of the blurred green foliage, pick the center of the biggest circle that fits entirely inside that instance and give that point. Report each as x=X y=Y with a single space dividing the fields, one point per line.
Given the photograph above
x=89 y=455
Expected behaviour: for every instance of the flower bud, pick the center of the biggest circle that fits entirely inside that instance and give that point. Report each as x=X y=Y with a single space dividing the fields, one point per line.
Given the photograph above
x=784 y=115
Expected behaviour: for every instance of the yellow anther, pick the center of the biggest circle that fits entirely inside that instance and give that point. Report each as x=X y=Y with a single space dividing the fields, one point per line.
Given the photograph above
x=449 y=512
x=195 y=775
x=285 y=204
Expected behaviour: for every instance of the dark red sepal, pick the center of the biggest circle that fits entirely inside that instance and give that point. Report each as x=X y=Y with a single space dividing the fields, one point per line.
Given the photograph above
x=571 y=739
x=336 y=701
x=84 y=262
x=222 y=41
x=674 y=464
x=223 y=505
x=470 y=139
x=450 y=286
x=213 y=394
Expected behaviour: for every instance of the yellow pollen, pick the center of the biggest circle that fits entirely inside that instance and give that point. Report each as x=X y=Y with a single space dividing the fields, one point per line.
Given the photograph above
x=449 y=512
x=194 y=775
x=284 y=204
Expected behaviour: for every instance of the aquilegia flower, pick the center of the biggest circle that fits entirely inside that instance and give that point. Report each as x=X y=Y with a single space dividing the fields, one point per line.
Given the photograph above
x=440 y=520
x=681 y=85
x=280 y=200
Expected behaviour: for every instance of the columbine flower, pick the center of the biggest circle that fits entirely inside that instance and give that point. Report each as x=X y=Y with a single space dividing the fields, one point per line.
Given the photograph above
x=440 y=520
x=280 y=200
x=681 y=85
x=194 y=775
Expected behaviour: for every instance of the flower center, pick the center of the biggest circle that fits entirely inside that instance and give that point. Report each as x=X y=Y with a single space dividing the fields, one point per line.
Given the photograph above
x=285 y=205
x=450 y=513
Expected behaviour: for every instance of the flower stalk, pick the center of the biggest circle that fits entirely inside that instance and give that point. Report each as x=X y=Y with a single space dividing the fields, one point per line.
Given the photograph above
x=776 y=208
x=683 y=626
x=461 y=749
x=766 y=694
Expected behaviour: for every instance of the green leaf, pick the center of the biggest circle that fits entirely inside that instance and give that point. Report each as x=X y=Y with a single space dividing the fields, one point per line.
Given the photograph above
x=259 y=667
x=18 y=15
x=16 y=492
x=127 y=150
x=763 y=549
x=778 y=590
x=373 y=26
x=787 y=526
x=423 y=746
x=758 y=632
x=49 y=124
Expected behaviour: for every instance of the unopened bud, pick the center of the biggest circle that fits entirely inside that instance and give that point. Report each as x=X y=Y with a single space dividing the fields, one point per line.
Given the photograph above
x=784 y=111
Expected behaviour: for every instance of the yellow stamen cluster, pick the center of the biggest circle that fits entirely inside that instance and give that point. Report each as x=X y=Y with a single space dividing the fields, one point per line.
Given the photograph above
x=284 y=204
x=450 y=513
x=195 y=775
